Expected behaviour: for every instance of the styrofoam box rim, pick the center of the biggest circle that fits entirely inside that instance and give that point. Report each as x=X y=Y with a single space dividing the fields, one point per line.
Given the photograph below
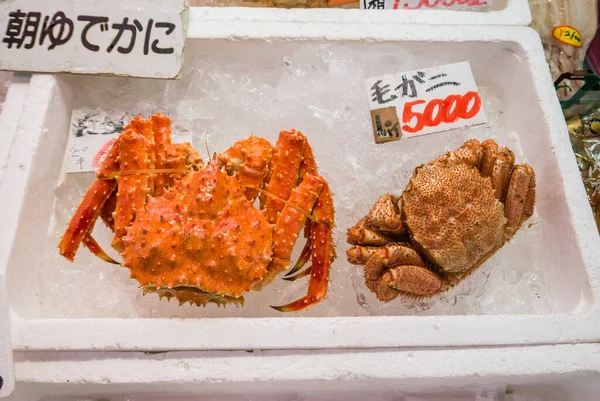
x=214 y=373
x=516 y=12
x=334 y=332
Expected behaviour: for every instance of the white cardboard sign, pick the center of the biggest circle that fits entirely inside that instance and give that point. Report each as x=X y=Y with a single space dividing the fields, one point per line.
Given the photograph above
x=423 y=4
x=92 y=133
x=429 y=100
x=139 y=38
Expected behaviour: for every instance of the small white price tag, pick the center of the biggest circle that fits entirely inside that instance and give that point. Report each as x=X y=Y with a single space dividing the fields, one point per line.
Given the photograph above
x=92 y=134
x=422 y=4
x=139 y=38
x=432 y=99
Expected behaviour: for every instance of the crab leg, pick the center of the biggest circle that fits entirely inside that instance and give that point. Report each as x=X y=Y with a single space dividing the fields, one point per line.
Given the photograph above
x=84 y=218
x=284 y=165
x=290 y=223
x=308 y=166
x=360 y=235
x=304 y=256
x=323 y=253
x=132 y=189
x=90 y=243
x=161 y=126
x=108 y=209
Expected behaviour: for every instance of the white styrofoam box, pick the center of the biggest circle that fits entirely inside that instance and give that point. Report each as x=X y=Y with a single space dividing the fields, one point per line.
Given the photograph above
x=540 y=373
x=502 y=12
x=8 y=123
x=509 y=65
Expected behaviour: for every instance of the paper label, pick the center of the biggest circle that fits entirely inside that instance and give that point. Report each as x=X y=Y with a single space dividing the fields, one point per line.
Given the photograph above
x=92 y=133
x=422 y=4
x=385 y=104
x=138 y=38
x=567 y=35
x=430 y=100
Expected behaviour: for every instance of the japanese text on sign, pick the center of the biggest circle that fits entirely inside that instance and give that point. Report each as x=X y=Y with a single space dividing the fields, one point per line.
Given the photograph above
x=430 y=100
x=84 y=36
x=92 y=134
x=421 y=4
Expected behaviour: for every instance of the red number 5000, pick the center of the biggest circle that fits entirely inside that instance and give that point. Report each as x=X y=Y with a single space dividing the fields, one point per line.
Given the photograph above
x=439 y=111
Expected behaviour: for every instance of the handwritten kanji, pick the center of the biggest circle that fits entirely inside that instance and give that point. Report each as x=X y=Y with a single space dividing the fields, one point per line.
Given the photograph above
x=380 y=91
x=121 y=28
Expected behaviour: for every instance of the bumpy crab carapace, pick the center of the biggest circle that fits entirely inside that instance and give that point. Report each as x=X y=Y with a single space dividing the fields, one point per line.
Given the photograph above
x=455 y=213
x=200 y=239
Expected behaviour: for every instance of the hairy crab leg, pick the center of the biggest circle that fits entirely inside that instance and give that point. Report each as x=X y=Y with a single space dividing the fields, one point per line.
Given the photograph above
x=360 y=235
x=391 y=254
x=519 y=194
x=385 y=215
x=85 y=216
x=323 y=253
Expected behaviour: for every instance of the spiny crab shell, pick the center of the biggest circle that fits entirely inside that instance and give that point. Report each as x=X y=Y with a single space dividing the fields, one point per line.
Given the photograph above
x=203 y=234
x=191 y=232
x=455 y=213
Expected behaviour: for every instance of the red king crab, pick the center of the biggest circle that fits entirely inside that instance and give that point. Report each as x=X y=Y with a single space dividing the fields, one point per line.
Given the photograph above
x=191 y=231
x=455 y=213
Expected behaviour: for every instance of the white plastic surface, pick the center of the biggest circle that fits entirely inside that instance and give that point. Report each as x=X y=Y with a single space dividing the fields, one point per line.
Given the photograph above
x=511 y=63
x=502 y=12
x=8 y=122
x=544 y=373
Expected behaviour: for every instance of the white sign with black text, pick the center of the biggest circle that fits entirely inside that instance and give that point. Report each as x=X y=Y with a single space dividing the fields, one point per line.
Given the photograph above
x=138 y=38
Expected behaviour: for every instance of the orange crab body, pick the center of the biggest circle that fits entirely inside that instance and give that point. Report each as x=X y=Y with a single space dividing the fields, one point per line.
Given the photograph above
x=195 y=234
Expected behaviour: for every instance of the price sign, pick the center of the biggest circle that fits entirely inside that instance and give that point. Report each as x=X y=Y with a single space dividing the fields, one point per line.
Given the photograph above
x=428 y=100
x=140 y=38
x=92 y=134
x=422 y=4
